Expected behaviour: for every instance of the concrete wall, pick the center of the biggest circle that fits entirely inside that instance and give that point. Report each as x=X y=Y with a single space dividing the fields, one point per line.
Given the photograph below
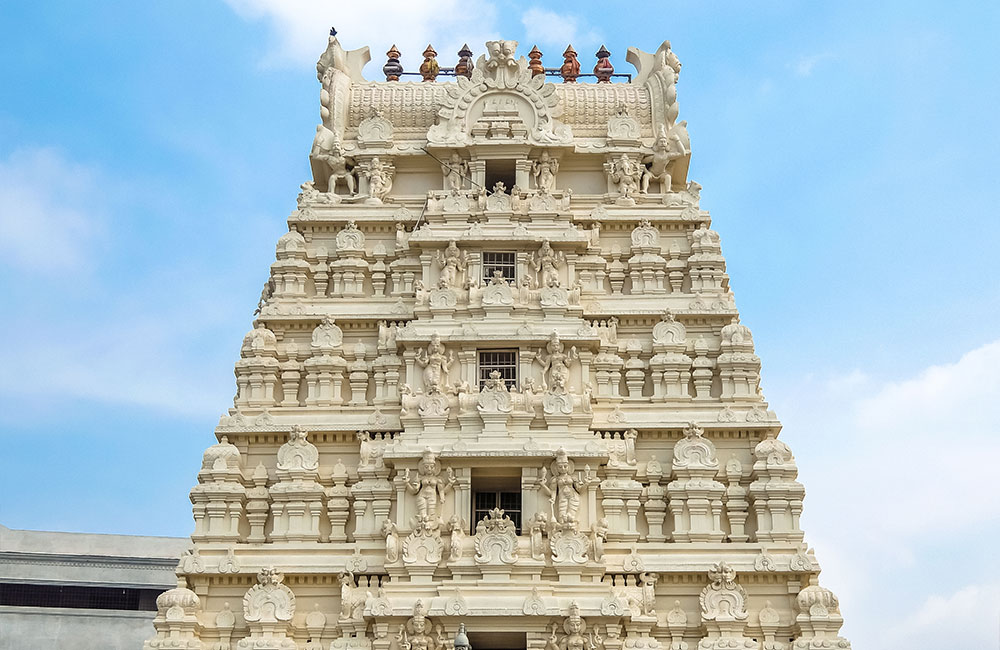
x=79 y=559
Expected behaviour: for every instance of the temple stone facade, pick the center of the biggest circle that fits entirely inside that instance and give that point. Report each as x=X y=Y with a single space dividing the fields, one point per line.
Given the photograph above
x=498 y=379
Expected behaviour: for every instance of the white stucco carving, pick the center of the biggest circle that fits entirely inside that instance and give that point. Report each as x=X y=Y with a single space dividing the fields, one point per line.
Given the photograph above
x=497 y=373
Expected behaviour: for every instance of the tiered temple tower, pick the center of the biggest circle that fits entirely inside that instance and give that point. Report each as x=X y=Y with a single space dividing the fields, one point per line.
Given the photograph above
x=498 y=379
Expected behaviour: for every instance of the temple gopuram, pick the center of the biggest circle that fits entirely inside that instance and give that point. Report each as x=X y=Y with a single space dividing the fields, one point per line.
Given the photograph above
x=497 y=393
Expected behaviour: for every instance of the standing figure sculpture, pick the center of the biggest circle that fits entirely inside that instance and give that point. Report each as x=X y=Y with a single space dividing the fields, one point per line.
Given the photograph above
x=435 y=363
x=455 y=171
x=429 y=487
x=555 y=364
x=391 y=540
x=546 y=260
x=544 y=170
x=451 y=262
x=665 y=151
x=563 y=490
x=379 y=179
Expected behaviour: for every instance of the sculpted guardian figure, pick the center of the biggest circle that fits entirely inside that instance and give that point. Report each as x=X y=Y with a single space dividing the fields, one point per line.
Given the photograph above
x=435 y=363
x=547 y=261
x=544 y=170
x=327 y=149
x=429 y=486
x=451 y=262
x=555 y=364
x=563 y=489
x=379 y=179
x=455 y=172
x=665 y=151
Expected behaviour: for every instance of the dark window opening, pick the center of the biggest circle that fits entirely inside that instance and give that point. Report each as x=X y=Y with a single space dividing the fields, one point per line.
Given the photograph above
x=506 y=263
x=500 y=171
x=502 y=361
x=498 y=487
x=497 y=640
x=79 y=597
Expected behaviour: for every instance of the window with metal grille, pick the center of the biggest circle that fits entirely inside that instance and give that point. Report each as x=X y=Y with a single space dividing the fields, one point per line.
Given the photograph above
x=503 y=361
x=78 y=597
x=506 y=263
x=484 y=502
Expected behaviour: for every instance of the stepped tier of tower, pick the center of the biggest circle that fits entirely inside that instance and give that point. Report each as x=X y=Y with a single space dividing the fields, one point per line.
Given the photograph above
x=497 y=377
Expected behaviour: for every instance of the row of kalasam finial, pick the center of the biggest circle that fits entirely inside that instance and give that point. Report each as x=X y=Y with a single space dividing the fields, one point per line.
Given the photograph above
x=569 y=70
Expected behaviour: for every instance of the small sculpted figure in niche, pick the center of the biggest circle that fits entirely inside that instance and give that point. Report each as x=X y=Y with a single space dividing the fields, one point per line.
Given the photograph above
x=456 y=528
x=544 y=170
x=391 y=540
x=597 y=538
x=435 y=362
x=452 y=262
x=429 y=487
x=547 y=261
x=402 y=238
x=625 y=173
x=379 y=179
x=648 y=593
x=455 y=172
x=538 y=527
x=562 y=489
x=666 y=149
x=555 y=364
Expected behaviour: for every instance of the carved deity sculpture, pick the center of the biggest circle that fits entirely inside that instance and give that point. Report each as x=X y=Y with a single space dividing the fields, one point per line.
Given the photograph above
x=379 y=179
x=574 y=638
x=435 y=363
x=451 y=262
x=544 y=170
x=327 y=149
x=547 y=261
x=598 y=536
x=429 y=487
x=555 y=364
x=391 y=540
x=456 y=533
x=625 y=173
x=455 y=171
x=563 y=489
x=416 y=634
x=666 y=149
x=539 y=526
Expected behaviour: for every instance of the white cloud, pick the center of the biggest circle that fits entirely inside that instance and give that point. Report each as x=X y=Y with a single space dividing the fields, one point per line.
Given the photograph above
x=898 y=480
x=549 y=27
x=806 y=64
x=967 y=618
x=50 y=211
x=300 y=28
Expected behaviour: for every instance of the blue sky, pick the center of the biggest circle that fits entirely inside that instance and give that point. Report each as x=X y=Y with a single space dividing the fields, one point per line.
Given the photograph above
x=150 y=152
